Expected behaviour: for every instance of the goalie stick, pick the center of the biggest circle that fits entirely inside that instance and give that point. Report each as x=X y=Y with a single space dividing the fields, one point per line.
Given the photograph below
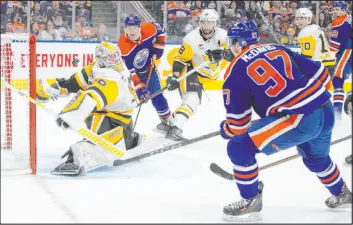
x=84 y=132
x=216 y=169
x=166 y=148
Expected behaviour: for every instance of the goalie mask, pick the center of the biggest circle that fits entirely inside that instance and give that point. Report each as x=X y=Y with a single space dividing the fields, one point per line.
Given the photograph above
x=208 y=21
x=108 y=55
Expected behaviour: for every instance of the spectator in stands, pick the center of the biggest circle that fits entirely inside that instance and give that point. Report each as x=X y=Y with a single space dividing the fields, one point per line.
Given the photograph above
x=178 y=18
x=197 y=5
x=293 y=7
x=252 y=13
x=87 y=31
x=36 y=14
x=67 y=7
x=16 y=25
x=323 y=20
x=291 y=36
x=194 y=22
x=179 y=10
x=328 y=31
x=75 y=35
x=101 y=34
x=54 y=10
x=58 y=20
x=211 y=5
x=40 y=34
x=44 y=6
x=53 y=33
x=277 y=25
x=3 y=7
x=236 y=10
x=87 y=3
x=81 y=19
x=82 y=11
x=275 y=9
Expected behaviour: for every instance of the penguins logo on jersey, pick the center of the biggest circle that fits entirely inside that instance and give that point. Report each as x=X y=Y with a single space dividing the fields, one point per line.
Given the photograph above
x=141 y=58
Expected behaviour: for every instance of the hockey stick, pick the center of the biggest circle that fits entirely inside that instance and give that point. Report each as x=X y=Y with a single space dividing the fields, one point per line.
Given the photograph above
x=216 y=169
x=268 y=24
x=166 y=148
x=166 y=87
x=170 y=147
x=84 y=132
x=148 y=81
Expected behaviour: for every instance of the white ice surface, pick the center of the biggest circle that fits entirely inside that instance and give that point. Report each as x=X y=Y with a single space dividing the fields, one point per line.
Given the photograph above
x=173 y=187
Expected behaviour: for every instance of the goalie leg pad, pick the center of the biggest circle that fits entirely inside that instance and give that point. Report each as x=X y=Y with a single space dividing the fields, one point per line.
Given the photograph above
x=78 y=109
x=88 y=156
x=113 y=130
x=189 y=105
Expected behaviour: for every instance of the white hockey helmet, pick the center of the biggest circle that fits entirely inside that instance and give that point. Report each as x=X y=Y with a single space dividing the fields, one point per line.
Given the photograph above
x=108 y=55
x=208 y=21
x=303 y=17
x=209 y=15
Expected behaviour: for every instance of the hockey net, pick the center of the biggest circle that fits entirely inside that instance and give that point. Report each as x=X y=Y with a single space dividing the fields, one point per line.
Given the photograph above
x=18 y=116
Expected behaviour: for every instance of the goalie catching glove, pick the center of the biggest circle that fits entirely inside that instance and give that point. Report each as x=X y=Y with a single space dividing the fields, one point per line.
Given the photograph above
x=46 y=91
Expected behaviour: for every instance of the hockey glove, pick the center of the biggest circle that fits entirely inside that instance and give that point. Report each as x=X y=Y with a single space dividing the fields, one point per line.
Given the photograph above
x=348 y=104
x=172 y=82
x=215 y=55
x=61 y=123
x=46 y=91
x=142 y=92
x=228 y=55
x=225 y=131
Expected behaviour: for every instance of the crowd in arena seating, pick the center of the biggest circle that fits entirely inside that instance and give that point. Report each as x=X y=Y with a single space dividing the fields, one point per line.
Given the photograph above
x=51 y=20
x=183 y=16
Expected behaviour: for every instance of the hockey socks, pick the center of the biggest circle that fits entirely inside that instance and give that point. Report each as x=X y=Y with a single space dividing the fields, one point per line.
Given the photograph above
x=327 y=172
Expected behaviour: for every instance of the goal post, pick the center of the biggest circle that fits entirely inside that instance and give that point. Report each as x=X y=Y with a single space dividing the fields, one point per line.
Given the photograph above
x=18 y=116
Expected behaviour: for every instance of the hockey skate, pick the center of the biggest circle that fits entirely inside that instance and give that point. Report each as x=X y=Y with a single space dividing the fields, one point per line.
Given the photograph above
x=68 y=167
x=349 y=159
x=174 y=133
x=343 y=200
x=245 y=210
x=163 y=127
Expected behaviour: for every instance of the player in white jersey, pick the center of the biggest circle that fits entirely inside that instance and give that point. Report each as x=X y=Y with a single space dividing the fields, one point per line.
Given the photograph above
x=205 y=43
x=312 y=40
x=104 y=102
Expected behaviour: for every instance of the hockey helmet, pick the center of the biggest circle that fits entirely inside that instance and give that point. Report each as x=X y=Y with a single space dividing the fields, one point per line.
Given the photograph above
x=132 y=20
x=108 y=55
x=208 y=21
x=245 y=33
x=303 y=17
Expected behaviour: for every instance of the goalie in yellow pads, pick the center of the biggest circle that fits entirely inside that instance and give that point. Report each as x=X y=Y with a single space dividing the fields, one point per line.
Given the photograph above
x=104 y=102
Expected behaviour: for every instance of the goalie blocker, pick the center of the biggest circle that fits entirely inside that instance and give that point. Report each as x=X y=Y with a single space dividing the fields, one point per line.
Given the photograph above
x=104 y=103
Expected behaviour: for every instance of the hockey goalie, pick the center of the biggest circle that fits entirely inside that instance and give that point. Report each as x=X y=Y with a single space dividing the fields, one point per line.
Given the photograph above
x=104 y=101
